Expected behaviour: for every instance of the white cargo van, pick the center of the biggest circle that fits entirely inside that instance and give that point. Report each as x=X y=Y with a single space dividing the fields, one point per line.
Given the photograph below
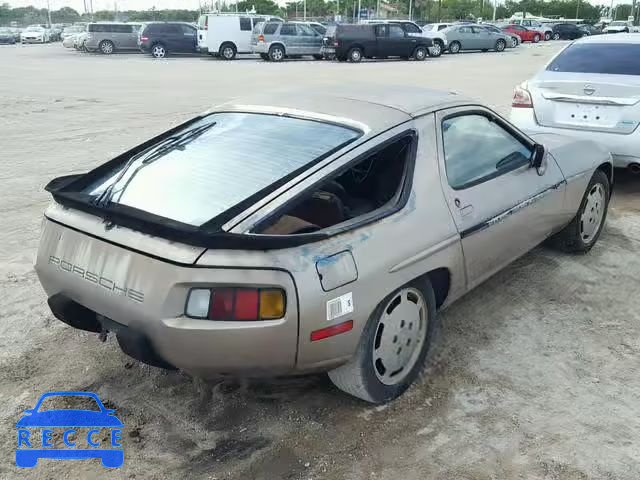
x=227 y=34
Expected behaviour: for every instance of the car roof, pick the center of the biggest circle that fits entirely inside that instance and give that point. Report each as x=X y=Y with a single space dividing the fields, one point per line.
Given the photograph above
x=370 y=108
x=620 y=38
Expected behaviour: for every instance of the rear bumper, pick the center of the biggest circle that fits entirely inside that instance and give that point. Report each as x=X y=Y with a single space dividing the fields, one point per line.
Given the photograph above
x=95 y=285
x=625 y=149
x=260 y=47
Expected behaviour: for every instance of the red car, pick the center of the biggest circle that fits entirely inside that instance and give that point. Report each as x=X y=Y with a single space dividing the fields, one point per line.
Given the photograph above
x=524 y=33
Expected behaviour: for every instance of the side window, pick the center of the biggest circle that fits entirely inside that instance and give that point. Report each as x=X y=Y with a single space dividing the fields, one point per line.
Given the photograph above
x=396 y=31
x=381 y=30
x=245 y=24
x=373 y=184
x=270 y=28
x=442 y=27
x=411 y=28
x=478 y=30
x=187 y=29
x=478 y=149
x=288 y=29
x=464 y=30
x=256 y=21
x=305 y=30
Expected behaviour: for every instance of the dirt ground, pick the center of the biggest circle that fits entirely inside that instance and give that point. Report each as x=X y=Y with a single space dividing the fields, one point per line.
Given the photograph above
x=534 y=375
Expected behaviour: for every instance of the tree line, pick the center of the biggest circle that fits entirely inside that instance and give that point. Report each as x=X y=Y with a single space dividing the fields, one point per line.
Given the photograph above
x=427 y=10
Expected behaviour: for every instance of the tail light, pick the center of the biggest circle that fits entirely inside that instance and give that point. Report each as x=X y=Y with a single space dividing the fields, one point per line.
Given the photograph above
x=144 y=39
x=521 y=98
x=336 y=43
x=261 y=38
x=236 y=304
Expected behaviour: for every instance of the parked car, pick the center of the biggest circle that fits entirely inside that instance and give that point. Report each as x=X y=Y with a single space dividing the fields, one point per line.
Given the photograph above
x=55 y=33
x=589 y=30
x=545 y=31
x=260 y=219
x=525 y=34
x=620 y=27
x=412 y=29
x=475 y=37
x=162 y=39
x=7 y=36
x=589 y=91
x=275 y=41
x=108 y=38
x=566 y=31
x=69 y=31
x=515 y=39
x=436 y=27
x=353 y=42
x=225 y=35
x=35 y=34
x=79 y=41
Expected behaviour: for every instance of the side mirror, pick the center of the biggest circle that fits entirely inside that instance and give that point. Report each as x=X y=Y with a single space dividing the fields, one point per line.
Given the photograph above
x=537 y=158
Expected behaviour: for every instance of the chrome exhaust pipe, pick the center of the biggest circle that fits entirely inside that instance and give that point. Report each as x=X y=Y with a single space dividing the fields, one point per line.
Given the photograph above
x=635 y=168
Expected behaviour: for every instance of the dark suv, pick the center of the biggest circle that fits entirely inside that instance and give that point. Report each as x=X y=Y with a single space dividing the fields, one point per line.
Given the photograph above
x=566 y=31
x=159 y=39
x=352 y=42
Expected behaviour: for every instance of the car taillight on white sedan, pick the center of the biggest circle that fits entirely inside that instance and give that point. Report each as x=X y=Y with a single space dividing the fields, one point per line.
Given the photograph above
x=521 y=98
x=236 y=304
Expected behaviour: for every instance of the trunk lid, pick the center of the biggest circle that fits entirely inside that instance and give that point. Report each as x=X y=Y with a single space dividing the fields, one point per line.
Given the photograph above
x=587 y=101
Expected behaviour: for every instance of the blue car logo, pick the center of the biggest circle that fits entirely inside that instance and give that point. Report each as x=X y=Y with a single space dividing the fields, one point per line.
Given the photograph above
x=29 y=452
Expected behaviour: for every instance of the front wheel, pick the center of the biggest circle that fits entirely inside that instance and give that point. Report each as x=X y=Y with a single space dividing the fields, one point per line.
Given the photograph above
x=454 y=47
x=159 y=51
x=393 y=345
x=536 y=38
x=500 y=45
x=228 y=51
x=584 y=230
x=420 y=53
x=436 y=49
x=355 y=55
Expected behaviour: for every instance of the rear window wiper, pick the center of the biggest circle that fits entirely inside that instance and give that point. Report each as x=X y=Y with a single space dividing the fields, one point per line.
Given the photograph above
x=169 y=144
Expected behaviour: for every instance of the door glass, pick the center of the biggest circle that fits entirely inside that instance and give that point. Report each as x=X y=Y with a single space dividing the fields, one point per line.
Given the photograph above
x=305 y=31
x=188 y=30
x=381 y=30
x=477 y=149
x=464 y=30
x=411 y=28
x=396 y=31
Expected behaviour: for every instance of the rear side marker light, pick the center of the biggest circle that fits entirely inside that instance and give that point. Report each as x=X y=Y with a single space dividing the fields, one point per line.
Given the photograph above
x=236 y=304
x=331 y=331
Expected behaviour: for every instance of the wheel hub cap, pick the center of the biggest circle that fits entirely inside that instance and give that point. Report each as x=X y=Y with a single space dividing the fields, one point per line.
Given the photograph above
x=399 y=336
x=593 y=213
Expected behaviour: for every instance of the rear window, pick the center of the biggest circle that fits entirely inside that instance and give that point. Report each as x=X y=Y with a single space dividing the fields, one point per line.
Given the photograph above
x=202 y=19
x=607 y=58
x=220 y=161
x=270 y=28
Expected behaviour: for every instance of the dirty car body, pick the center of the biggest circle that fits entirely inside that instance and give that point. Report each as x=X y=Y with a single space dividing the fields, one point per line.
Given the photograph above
x=311 y=208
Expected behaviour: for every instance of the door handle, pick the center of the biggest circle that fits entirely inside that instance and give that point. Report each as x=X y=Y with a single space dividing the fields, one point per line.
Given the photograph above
x=464 y=211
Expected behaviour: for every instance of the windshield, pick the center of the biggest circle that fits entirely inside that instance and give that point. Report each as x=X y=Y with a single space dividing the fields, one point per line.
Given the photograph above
x=34 y=29
x=608 y=58
x=618 y=24
x=216 y=163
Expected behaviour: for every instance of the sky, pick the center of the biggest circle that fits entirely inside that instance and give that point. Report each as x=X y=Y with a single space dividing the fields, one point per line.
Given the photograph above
x=159 y=4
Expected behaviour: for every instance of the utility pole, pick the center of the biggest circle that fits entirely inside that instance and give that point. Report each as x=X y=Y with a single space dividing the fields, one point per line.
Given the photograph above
x=378 y=9
x=578 y=9
x=359 y=9
x=410 y=9
x=304 y=10
x=49 y=12
x=495 y=7
x=482 y=8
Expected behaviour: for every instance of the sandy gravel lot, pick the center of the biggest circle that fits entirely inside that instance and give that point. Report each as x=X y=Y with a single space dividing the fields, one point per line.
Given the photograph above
x=534 y=375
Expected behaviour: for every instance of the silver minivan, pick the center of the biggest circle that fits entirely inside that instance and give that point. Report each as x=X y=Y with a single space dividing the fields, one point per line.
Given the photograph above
x=107 y=38
x=276 y=40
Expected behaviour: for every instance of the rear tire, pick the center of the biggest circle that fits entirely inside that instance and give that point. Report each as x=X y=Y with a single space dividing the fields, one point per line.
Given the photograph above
x=355 y=55
x=276 y=53
x=500 y=45
x=547 y=36
x=106 y=47
x=159 y=51
x=228 y=51
x=585 y=229
x=436 y=49
x=454 y=47
x=403 y=320
x=536 y=38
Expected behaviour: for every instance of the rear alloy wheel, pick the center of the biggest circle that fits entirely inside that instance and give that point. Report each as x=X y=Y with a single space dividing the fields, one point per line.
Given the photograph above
x=228 y=51
x=500 y=45
x=556 y=36
x=514 y=42
x=393 y=345
x=547 y=36
x=355 y=55
x=454 y=47
x=276 y=53
x=106 y=47
x=584 y=230
x=159 y=51
x=436 y=49
x=420 y=53
x=536 y=38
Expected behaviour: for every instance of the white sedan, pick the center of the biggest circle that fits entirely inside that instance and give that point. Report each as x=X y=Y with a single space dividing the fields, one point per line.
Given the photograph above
x=590 y=90
x=35 y=34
